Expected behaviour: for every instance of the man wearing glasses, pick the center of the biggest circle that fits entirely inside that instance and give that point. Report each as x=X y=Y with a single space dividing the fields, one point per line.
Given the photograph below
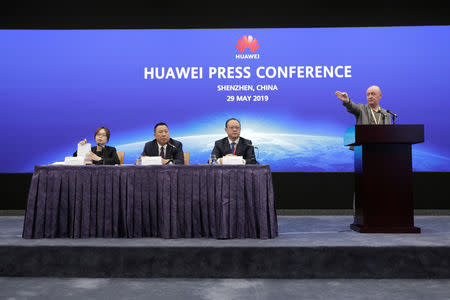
x=234 y=144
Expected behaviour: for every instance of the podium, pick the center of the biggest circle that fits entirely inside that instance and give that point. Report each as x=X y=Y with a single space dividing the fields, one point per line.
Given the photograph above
x=383 y=200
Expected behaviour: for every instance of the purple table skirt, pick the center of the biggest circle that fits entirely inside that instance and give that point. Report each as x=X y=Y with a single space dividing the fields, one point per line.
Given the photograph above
x=151 y=201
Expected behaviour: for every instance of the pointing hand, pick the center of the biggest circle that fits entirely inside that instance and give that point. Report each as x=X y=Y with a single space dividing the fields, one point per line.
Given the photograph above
x=342 y=95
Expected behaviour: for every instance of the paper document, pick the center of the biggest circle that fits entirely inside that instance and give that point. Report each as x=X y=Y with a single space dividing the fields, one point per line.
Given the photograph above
x=83 y=149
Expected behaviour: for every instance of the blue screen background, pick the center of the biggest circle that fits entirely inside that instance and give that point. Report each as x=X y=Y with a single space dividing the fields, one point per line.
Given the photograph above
x=58 y=86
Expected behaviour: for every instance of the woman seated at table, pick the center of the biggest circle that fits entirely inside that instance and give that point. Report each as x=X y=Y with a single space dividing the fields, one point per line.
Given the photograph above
x=101 y=154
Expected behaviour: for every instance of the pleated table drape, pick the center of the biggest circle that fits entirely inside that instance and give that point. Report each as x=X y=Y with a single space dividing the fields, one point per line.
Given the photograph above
x=172 y=201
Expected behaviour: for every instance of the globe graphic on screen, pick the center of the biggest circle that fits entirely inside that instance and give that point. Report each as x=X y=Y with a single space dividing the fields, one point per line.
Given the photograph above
x=283 y=152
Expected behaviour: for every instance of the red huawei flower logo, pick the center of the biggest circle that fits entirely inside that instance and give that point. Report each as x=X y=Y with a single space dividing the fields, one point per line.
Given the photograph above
x=247 y=42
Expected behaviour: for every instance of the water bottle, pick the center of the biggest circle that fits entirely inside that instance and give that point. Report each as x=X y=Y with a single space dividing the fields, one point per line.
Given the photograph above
x=212 y=160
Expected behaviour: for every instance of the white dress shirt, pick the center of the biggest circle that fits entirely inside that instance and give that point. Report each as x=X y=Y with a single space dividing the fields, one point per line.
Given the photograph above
x=159 y=149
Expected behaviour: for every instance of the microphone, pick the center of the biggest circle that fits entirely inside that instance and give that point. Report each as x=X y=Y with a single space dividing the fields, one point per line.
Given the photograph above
x=171 y=145
x=250 y=145
x=172 y=154
x=390 y=112
x=253 y=156
x=381 y=112
x=174 y=148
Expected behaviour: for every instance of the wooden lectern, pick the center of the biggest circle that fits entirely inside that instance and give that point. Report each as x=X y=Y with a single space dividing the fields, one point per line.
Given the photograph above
x=383 y=177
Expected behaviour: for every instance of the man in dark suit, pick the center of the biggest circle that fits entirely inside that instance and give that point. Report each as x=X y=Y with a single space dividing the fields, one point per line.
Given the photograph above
x=234 y=144
x=170 y=150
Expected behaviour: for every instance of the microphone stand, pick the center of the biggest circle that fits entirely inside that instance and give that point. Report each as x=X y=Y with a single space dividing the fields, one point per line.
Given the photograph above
x=171 y=160
x=393 y=116
x=103 y=154
x=253 y=156
x=384 y=116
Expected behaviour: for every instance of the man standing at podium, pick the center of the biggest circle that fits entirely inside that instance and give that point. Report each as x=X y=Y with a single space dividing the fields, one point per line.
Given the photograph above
x=370 y=113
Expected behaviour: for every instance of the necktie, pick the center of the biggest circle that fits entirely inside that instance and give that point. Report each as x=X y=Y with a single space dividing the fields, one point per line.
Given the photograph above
x=162 y=152
x=233 y=144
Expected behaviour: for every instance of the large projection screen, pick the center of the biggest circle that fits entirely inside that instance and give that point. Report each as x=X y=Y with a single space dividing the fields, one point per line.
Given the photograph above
x=58 y=86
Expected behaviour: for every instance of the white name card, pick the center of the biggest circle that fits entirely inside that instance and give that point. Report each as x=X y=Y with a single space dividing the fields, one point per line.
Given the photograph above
x=74 y=161
x=232 y=160
x=151 y=160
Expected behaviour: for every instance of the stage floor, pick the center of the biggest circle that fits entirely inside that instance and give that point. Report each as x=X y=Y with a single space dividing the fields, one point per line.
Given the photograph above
x=222 y=289
x=303 y=231
x=308 y=247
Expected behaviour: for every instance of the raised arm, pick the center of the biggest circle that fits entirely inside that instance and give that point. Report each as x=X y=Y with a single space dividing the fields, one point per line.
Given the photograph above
x=352 y=107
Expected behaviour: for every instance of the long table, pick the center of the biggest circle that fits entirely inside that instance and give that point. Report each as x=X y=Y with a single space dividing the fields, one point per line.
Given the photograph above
x=170 y=201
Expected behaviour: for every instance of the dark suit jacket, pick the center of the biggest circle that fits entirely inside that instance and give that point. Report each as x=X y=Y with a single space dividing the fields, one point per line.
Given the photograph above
x=108 y=155
x=222 y=147
x=174 y=152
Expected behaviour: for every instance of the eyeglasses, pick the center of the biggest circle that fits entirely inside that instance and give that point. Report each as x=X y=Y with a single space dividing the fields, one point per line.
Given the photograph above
x=234 y=127
x=101 y=134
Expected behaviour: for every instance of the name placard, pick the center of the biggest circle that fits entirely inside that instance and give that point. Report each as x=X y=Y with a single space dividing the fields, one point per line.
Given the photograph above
x=151 y=160
x=232 y=160
x=74 y=161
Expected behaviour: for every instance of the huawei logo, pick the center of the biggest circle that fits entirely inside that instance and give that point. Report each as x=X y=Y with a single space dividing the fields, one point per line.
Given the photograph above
x=247 y=42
